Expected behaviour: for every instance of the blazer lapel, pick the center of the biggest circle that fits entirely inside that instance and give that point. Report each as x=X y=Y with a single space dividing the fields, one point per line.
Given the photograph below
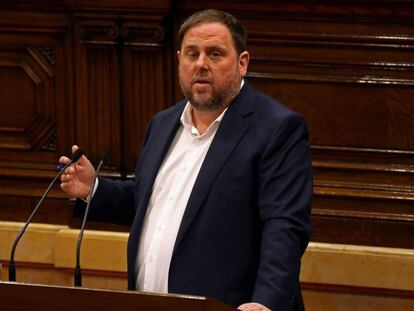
x=232 y=128
x=164 y=133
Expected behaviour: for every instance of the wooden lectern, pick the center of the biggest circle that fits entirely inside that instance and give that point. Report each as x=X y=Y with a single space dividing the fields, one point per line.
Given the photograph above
x=33 y=297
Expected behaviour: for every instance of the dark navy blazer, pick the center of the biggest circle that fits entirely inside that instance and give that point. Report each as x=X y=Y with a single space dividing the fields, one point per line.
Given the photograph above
x=247 y=221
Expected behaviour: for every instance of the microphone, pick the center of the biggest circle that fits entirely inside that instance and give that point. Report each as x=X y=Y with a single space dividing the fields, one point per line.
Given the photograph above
x=78 y=273
x=12 y=269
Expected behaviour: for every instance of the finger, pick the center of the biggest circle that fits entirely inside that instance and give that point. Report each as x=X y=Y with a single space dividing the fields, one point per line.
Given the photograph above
x=68 y=174
x=82 y=158
x=69 y=171
x=243 y=307
x=67 y=178
x=252 y=306
x=64 y=160
x=66 y=186
x=62 y=178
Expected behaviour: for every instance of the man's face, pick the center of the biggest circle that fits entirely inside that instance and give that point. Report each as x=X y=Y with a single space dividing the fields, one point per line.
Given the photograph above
x=210 y=70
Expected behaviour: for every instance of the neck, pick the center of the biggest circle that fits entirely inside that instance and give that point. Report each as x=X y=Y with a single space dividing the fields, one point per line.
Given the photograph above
x=203 y=119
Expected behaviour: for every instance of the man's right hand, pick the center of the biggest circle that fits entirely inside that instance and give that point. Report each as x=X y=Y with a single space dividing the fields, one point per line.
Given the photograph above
x=77 y=180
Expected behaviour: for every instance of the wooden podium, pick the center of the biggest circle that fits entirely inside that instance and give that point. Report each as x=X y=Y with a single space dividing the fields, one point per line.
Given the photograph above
x=33 y=297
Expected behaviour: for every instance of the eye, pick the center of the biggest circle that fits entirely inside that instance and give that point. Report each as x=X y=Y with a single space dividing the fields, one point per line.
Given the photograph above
x=193 y=54
x=215 y=54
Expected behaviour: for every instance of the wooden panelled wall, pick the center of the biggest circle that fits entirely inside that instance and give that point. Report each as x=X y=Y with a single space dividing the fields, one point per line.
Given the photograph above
x=94 y=72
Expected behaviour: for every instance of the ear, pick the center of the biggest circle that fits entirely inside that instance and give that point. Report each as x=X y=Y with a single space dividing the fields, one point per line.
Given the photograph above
x=178 y=55
x=243 y=63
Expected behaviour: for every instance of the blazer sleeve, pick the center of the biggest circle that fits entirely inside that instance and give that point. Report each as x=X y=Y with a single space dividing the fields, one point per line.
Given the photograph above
x=284 y=201
x=113 y=202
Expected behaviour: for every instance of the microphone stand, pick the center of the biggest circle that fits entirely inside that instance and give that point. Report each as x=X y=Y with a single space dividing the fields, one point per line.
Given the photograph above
x=78 y=271
x=12 y=269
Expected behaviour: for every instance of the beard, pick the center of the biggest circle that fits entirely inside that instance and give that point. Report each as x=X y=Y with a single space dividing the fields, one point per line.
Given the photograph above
x=219 y=98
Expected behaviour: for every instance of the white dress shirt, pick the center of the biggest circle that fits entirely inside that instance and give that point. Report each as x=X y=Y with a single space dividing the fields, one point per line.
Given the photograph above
x=170 y=194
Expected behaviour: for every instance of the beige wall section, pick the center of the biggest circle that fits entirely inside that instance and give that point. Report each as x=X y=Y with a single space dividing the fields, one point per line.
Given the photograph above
x=357 y=278
x=364 y=266
x=46 y=254
x=101 y=250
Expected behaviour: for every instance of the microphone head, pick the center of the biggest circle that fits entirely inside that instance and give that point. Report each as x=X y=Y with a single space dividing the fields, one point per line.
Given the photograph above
x=76 y=156
x=104 y=155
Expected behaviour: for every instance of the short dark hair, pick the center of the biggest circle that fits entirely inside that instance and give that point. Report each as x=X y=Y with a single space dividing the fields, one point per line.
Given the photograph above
x=236 y=29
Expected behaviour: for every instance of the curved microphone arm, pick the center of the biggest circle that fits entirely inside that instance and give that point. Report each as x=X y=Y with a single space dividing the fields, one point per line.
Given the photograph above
x=78 y=272
x=12 y=269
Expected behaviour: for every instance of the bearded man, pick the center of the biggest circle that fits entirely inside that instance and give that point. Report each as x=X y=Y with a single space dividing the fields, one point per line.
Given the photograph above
x=220 y=204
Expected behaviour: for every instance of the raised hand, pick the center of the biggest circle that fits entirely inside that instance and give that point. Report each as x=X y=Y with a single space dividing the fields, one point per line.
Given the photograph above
x=77 y=180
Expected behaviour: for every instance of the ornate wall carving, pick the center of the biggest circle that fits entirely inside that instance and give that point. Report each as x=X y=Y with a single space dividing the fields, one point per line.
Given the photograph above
x=94 y=73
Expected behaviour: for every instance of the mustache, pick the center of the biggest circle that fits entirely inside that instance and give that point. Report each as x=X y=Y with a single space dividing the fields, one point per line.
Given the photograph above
x=202 y=76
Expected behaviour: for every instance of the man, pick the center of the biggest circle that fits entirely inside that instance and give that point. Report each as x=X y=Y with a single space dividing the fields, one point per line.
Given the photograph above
x=221 y=198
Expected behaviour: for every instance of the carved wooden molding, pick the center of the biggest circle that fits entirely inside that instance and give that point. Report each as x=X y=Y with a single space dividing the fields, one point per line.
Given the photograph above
x=102 y=32
x=364 y=190
x=331 y=78
x=112 y=32
x=49 y=54
x=36 y=133
x=143 y=35
x=361 y=215
x=338 y=39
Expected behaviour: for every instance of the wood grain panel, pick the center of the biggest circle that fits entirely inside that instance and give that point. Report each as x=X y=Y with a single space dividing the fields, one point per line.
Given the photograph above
x=98 y=88
x=359 y=230
x=147 y=83
x=337 y=298
x=349 y=115
x=27 y=94
x=143 y=102
x=33 y=70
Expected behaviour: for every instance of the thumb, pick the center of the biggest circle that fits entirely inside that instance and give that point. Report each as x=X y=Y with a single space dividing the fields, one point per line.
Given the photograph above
x=83 y=160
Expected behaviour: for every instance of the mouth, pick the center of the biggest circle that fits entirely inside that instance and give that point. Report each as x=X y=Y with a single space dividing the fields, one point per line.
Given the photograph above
x=201 y=82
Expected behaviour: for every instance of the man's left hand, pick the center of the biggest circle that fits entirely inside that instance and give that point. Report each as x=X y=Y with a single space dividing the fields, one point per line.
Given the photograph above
x=252 y=306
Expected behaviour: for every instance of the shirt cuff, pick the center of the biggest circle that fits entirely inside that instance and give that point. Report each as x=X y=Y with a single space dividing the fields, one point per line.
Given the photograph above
x=95 y=186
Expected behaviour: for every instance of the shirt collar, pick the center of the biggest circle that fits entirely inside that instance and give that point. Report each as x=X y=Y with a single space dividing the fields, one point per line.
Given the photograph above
x=187 y=119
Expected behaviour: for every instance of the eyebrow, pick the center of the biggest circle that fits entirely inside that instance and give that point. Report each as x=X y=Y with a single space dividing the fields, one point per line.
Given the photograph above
x=190 y=47
x=213 y=46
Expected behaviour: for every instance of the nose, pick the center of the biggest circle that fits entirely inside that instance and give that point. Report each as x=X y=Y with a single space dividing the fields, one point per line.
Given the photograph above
x=202 y=61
